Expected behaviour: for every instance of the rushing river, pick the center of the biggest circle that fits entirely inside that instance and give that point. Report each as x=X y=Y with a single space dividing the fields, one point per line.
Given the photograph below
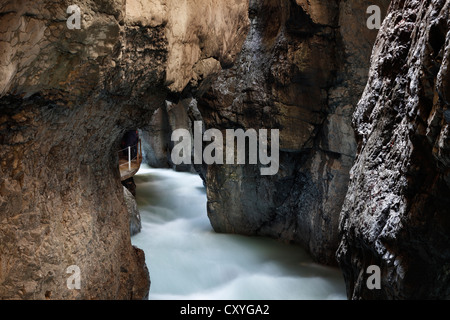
x=188 y=260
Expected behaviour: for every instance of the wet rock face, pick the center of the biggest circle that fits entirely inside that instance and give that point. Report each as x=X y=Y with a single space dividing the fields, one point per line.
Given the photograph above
x=396 y=212
x=66 y=99
x=133 y=211
x=302 y=70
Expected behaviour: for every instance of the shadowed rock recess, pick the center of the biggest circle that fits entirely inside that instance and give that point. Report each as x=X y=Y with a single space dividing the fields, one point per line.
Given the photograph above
x=397 y=210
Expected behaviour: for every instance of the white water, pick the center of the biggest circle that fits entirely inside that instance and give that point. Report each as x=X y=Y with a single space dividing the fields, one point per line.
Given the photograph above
x=188 y=260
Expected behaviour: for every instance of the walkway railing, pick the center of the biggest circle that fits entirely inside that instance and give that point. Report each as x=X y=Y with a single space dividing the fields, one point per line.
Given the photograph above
x=132 y=162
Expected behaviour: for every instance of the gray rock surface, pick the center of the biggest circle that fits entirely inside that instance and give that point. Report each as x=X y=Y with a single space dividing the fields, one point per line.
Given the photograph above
x=396 y=212
x=133 y=212
x=302 y=69
x=156 y=136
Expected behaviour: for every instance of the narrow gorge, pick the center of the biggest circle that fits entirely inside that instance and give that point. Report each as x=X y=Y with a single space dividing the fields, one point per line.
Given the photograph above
x=363 y=118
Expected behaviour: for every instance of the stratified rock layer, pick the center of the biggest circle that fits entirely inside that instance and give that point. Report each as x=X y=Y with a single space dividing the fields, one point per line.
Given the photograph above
x=396 y=213
x=66 y=99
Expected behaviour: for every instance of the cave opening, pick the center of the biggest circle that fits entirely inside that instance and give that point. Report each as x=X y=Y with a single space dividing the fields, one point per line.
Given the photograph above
x=129 y=158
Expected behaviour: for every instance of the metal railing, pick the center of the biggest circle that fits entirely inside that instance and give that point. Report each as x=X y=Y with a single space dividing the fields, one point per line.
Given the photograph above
x=137 y=158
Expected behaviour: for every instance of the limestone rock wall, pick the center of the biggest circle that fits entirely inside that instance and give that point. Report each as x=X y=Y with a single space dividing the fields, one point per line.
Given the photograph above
x=396 y=212
x=66 y=98
x=302 y=70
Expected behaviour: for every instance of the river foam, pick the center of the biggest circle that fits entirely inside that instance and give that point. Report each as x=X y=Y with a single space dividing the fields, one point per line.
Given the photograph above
x=188 y=260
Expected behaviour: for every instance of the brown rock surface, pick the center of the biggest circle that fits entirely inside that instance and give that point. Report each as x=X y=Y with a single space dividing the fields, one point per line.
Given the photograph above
x=66 y=98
